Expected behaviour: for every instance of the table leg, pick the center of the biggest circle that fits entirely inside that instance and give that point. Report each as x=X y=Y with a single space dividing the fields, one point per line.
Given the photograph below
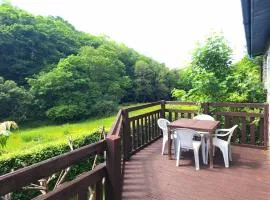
x=169 y=144
x=210 y=136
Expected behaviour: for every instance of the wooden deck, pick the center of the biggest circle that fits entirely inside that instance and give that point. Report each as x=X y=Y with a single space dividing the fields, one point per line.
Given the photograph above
x=148 y=175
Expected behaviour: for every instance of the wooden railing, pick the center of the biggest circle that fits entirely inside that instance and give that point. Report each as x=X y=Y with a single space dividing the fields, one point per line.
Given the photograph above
x=25 y=176
x=140 y=130
x=110 y=171
x=252 y=119
x=130 y=133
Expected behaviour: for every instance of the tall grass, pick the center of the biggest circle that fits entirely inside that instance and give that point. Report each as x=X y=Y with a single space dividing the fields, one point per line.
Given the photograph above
x=31 y=135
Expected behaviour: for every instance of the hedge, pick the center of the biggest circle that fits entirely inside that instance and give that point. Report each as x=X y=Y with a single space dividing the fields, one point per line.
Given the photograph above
x=39 y=154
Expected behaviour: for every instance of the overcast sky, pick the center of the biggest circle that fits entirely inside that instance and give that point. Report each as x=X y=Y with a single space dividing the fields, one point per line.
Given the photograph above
x=166 y=30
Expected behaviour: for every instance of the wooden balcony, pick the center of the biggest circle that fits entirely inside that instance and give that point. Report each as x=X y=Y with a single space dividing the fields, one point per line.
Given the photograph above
x=149 y=175
x=134 y=168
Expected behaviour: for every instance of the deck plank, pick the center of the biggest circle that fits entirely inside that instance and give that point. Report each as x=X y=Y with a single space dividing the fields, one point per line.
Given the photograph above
x=148 y=175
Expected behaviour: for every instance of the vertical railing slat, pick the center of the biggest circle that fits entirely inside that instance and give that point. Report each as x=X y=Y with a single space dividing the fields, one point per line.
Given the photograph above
x=170 y=116
x=138 y=133
x=252 y=130
x=99 y=190
x=234 y=136
x=261 y=131
x=156 y=127
x=134 y=135
x=142 y=131
x=149 y=128
x=146 y=129
x=176 y=115
x=243 y=130
x=152 y=126
x=83 y=194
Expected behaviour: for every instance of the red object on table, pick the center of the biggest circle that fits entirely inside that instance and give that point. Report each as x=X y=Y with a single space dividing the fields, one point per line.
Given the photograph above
x=198 y=125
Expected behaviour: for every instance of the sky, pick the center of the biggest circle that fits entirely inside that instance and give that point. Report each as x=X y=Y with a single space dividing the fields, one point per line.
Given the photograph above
x=166 y=30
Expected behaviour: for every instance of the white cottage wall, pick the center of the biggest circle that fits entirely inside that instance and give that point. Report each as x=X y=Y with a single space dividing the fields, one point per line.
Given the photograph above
x=266 y=80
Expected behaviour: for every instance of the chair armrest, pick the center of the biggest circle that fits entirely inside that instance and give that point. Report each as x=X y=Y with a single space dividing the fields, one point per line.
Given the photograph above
x=223 y=130
x=221 y=135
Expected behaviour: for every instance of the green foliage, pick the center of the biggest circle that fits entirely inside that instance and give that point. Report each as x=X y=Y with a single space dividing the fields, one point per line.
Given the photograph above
x=45 y=152
x=244 y=82
x=79 y=85
x=214 y=55
x=153 y=80
x=72 y=75
x=185 y=81
x=212 y=78
x=3 y=141
x=64 y=113
x=29 y=44
x=15 y=101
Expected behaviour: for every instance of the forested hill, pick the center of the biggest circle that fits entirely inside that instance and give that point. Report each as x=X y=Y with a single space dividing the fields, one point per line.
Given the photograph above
x=50 y=70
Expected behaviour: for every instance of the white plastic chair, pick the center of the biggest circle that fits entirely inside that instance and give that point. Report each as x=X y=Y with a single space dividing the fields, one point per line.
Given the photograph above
x=163 y=123
x=204 y=146
x=224 y=145
x=184 y=140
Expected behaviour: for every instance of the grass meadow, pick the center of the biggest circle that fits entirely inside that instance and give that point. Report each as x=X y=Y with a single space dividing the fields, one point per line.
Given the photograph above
x=38 y=134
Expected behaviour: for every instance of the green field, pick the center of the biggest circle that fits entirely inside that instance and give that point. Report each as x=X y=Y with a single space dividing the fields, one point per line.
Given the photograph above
x=31 y=136
x=34 y=136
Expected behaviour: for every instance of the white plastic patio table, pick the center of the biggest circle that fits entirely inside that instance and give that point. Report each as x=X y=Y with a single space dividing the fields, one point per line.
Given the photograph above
x=198 y=125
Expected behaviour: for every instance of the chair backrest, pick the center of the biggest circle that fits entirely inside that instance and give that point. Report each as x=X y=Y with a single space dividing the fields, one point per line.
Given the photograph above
x=231 y=130
x=204 y=117
x=185 y=136
x=162 y=123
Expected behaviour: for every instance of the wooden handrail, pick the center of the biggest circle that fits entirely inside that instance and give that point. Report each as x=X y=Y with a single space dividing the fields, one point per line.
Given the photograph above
x=182 y=111
x=240 y=114
x=240 y=105
x=22 y=177
x=142 y=106
x=181 y=103
x=81 y=183
x=143 y=115
x=115 y=129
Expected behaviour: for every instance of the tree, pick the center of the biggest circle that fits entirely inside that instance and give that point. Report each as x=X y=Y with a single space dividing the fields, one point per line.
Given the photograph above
x=244 y=83
x=31 y=44
x=205 y=80
x=212 y=78
x=144 y=76
x=214 y=55
x=88 y=84
x=15 y=101
x=71 y=74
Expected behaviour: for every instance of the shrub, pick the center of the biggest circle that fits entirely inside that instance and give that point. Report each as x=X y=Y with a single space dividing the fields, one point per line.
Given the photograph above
x=63 y=113
x=15 y=101
x=103 y=108
x=39 y=154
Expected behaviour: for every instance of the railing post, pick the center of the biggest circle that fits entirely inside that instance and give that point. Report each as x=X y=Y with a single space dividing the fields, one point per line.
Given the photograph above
x=205 y=107
x=113 y=166
x=266 y=126
x=126 y=135
x=162 y=114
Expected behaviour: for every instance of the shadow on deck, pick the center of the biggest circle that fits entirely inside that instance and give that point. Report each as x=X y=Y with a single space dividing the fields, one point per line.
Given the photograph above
x=148 y=175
